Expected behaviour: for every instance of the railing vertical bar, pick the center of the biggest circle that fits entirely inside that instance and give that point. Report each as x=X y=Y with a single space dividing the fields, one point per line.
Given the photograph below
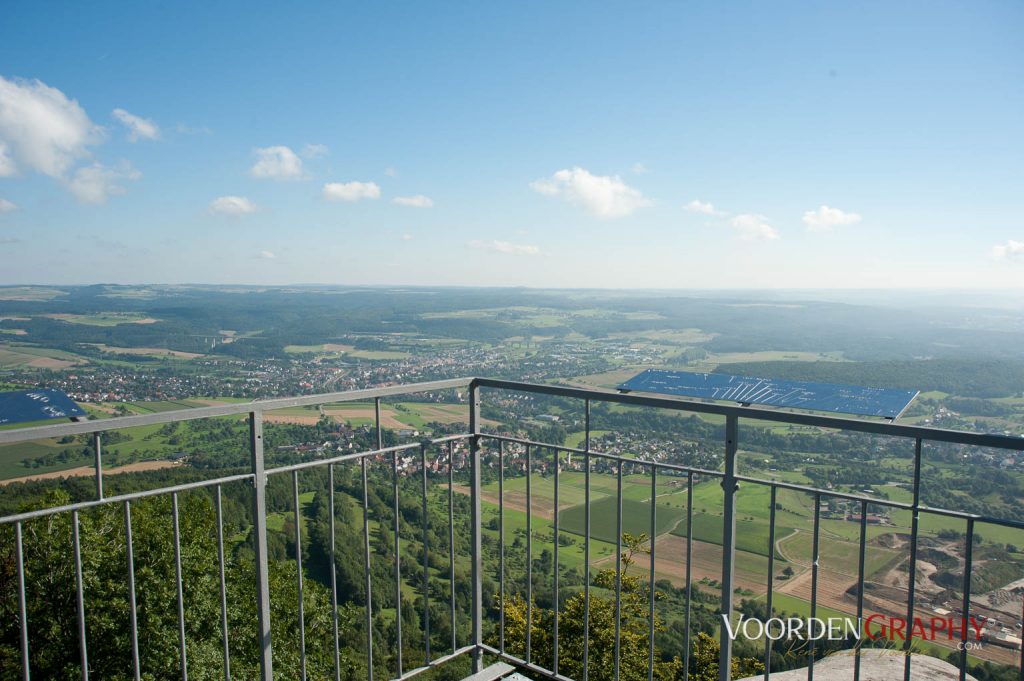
x=426 y=559
x=912 y=577
x=814 y=580
x=554 y=666
x=501 y=544
x=22 y=609
x=180 y=586
x=334 y=574
x=298 y=575
x=97 y=448
x=689 y=573
x=771 y=579
x=1021 y=669
x=451 y=543
x=650 y=586
x=223 y=584
x=618 y=569
x=729 y=486
x=376 y=423
x=860 y=584
x=368 y=584
x=398 y=560
x=476 y=530
x=259 y=531
x=529 y=553
x=586 y=539
x=80 y=597
x=968 y=566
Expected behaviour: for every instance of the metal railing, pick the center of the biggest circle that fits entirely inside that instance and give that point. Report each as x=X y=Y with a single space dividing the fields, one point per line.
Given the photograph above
x=475 y=437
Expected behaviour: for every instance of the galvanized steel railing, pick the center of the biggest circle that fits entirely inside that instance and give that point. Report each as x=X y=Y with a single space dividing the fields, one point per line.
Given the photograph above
x=259 y=473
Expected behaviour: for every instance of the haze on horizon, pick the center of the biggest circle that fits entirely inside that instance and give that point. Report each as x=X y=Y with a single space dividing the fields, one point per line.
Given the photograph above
x=581 y=145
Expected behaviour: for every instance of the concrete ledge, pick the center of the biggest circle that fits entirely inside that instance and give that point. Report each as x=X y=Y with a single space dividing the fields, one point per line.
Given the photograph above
x=875 y=665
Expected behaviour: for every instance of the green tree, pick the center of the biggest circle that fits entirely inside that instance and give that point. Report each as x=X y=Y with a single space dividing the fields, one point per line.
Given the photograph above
x=52 y=607
x=634 y=633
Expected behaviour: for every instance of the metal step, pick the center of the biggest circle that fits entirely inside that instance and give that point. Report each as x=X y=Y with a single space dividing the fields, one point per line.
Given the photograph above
x=498 y=670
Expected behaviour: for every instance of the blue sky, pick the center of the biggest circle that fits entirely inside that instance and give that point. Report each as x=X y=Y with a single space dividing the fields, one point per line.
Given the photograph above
x=655 y=145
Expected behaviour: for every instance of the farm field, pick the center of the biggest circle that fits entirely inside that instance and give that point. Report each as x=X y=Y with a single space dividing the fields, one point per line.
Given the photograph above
x=103 y=318
x=340 y=350
x=27 y=356
x=149 y=352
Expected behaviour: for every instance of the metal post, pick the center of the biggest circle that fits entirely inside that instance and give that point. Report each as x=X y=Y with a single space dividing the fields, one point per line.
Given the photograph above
x=618 y=571
x=83 y=648
x=398 y=564
x=586 y=539
x=912 y=578
x=554 y=666
x=180 y=585
x=815 y=538
x=97 y=447
x=334 y=575
x=259 y=531
x=860 y=585
x=477 y=550
x=426 y=559
x=133 y=616
x=223 y=586
x=22 y=610
x=689 y=572
x=729 y=487
x=771 y=582
x=529 y=555
x=968 y=566
x=298 y=576
x=501 y=545
x=650 y=614
x=366 y=572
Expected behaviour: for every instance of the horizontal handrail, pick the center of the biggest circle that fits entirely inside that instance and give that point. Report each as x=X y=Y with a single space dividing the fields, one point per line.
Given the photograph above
x=763 y=414
x=60 y=430
x=120 y=499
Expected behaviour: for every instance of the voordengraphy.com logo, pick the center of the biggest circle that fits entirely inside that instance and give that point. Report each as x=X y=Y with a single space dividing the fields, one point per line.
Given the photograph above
x=875 y=627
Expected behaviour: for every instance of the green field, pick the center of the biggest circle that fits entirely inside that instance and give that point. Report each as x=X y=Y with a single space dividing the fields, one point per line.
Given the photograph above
x=636 y=518
x=14 y=355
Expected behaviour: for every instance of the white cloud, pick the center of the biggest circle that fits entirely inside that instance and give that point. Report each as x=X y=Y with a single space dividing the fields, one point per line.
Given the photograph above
x=1011 y=249
x=6 y=206
x=418 y=201
x=351 y=191
x=753 y=228
x=825 y=218
x=41 y=129
x=603 y=196
x=266 y=255
x=277 y=163
x=704 y=207
x=7 y=167
x=504 y=247
x=407 y=237
x=232 y=205
x=640 y=168
x=314 y=150
x=138 y=127
x=97 y=182
x=390 y=172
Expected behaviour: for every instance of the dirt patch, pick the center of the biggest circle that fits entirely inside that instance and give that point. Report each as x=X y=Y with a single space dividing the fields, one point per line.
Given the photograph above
x=89 y=471
x=51 y=363
x=516 y=501
x=670 y=564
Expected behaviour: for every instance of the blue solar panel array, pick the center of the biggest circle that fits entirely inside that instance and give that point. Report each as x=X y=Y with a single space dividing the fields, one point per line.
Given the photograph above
x=844 y=399
x=36 y=405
